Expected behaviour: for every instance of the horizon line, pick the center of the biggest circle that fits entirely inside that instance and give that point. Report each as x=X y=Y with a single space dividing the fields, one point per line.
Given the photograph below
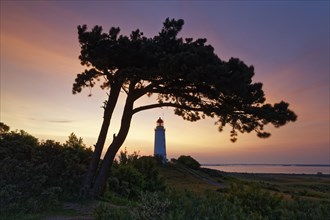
x=269 y=164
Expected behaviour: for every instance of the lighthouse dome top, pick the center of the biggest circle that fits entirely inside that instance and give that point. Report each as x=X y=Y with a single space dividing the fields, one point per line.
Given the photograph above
x=160 y=122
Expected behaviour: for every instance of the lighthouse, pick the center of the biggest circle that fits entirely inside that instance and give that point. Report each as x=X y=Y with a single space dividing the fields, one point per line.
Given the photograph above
x=160 y=145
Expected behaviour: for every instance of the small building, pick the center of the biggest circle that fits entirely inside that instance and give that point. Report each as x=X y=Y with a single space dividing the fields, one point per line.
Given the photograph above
x=160 y=143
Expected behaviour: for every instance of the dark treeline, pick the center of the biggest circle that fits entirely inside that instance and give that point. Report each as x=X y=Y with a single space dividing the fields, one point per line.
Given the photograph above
x=35 y=175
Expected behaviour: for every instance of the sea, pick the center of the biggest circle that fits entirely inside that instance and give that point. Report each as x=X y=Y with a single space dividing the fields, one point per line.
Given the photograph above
x=272 y=168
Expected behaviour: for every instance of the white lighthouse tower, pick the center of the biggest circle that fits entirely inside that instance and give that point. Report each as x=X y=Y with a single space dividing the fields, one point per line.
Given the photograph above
x=160 y=144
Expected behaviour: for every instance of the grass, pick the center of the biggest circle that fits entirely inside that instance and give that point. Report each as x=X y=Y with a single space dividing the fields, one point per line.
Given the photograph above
x=180 y=179
x=67 y=213
x=316 y=187
x=290 y=185
x=76 y=210
x=311 y=187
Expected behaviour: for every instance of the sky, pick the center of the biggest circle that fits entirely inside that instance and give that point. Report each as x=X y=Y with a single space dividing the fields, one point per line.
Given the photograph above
x=286 y=41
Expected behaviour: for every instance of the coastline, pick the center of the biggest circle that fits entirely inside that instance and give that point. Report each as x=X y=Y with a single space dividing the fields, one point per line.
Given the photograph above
x=287 y=169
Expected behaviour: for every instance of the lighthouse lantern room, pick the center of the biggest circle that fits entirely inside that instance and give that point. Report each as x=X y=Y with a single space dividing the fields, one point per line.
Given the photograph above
x=160 y=144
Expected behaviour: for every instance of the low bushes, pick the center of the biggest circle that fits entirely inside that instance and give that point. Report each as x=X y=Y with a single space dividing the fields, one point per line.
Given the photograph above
x=35 y=175
x=131 y=175
x=189 y=162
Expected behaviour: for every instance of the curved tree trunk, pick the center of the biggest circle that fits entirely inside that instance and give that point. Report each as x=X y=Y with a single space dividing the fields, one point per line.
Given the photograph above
x=108 y=110
x=114 y=147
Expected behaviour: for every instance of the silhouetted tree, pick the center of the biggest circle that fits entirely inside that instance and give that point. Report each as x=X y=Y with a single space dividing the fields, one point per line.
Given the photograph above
x=185 y=74
x=74 y=142
x=189 y=162
x=4 y=128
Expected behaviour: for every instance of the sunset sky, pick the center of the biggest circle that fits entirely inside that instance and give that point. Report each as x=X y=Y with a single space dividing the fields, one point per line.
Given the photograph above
x=286 y=41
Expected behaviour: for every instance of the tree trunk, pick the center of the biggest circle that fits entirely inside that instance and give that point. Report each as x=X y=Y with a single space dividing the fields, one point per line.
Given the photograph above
x=113 y=148
x=109 y=108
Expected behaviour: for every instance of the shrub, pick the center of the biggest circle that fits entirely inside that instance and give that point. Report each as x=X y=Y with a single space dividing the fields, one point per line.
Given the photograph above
x=303 y=209
x=132 y=175
x=126 y=181
x=115 y=199
x=189 y=162
x=255 y=201
x=104 y=212
x=148 y=167
x=34 y=176
x=211 y=205
x=152 y=205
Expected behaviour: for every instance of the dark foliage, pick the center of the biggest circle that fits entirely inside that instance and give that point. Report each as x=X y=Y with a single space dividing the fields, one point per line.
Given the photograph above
x=189 y=162
x=34 y=176
x=186 y=74
x=241 y=202
x=131 y=175
x=4 y=128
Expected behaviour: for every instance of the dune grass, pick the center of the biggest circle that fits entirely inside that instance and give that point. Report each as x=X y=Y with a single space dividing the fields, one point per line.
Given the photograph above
x=289 y=187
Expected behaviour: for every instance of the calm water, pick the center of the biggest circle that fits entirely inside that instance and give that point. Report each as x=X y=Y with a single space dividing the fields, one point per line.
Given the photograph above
x=273 y=168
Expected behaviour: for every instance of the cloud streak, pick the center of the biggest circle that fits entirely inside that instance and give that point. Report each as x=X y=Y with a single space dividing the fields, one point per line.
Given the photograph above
x=61 y=121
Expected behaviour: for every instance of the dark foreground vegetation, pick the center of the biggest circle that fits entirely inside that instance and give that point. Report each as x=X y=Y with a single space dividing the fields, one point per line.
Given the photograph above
x=41 y=180
x=36 y=176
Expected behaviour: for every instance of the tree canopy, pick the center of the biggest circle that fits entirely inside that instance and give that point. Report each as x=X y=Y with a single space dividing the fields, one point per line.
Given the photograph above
x=184 y=74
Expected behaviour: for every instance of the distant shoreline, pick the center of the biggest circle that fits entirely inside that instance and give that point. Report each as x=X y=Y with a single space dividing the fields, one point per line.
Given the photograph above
x=242 y=174
x=265 y=164
x=316 y=169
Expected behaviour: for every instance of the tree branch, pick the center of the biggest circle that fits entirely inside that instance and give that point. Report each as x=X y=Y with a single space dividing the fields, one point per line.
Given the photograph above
x=125 y=90
x=167 y=104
